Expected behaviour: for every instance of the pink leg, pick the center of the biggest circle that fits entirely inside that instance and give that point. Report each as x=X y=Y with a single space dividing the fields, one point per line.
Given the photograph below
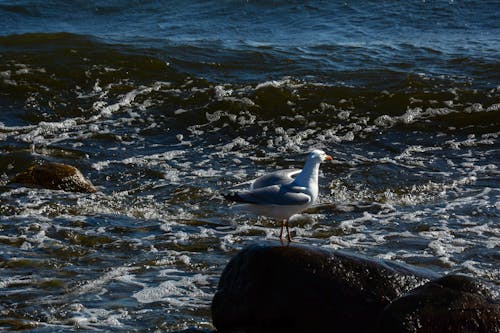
x=289 y=237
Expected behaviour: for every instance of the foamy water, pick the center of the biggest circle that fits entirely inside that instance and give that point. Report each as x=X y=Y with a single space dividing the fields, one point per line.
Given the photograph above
x=162 y=129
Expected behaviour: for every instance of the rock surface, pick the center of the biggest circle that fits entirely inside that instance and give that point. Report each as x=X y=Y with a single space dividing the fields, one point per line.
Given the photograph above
x=453 y=303
x=55 y=176
x=275 y=288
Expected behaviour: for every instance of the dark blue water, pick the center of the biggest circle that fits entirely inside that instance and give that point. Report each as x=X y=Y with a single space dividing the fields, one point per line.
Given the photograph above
x=254 y=40
x=163 y=105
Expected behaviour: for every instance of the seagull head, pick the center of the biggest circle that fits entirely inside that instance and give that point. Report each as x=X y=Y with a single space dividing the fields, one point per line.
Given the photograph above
x=319 y=156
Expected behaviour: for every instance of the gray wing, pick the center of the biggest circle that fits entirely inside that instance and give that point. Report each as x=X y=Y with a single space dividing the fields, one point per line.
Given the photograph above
x=280 y=177
x=271 y=195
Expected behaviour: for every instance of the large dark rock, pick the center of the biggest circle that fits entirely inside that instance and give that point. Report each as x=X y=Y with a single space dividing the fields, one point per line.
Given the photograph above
x=274 y=288
x=55 y=176
x=453 y=303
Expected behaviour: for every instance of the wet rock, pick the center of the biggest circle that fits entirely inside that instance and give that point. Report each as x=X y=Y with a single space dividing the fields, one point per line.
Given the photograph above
x=55 y=176
x=296 y=288
x=453 y=303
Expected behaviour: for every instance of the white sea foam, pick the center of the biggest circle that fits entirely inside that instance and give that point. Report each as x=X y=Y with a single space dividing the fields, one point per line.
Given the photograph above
x=178 y=290
x=126 y=100
x=180 y=233
x=99 y=285
x=93 y=318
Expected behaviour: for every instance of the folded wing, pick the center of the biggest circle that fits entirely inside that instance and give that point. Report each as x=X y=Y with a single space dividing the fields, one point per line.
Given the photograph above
x=271 y=195
x=280 y=177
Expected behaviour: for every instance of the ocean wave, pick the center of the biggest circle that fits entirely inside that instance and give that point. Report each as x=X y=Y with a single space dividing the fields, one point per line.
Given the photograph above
x=414 y=176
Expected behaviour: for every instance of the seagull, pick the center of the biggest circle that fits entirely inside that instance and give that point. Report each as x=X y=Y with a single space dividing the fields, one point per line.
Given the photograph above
x=283 y=193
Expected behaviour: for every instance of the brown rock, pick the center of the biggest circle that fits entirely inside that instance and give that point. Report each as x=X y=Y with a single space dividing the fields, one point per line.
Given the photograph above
x=55 y=176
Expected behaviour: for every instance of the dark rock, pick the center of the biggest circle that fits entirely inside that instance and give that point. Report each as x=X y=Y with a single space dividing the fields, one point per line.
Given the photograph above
x=453 y=303
x=55 y=176
x=296 y=288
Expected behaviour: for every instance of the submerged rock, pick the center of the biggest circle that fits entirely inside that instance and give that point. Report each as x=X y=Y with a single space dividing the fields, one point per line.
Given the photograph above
x=55 y=176
x=296 y=288
x=453 y=303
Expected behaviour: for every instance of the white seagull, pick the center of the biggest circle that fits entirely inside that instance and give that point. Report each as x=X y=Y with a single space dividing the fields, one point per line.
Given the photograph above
x=283 y=193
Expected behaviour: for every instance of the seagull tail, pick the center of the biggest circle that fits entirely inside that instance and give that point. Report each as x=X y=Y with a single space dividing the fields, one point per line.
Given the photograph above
x=233 y=196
